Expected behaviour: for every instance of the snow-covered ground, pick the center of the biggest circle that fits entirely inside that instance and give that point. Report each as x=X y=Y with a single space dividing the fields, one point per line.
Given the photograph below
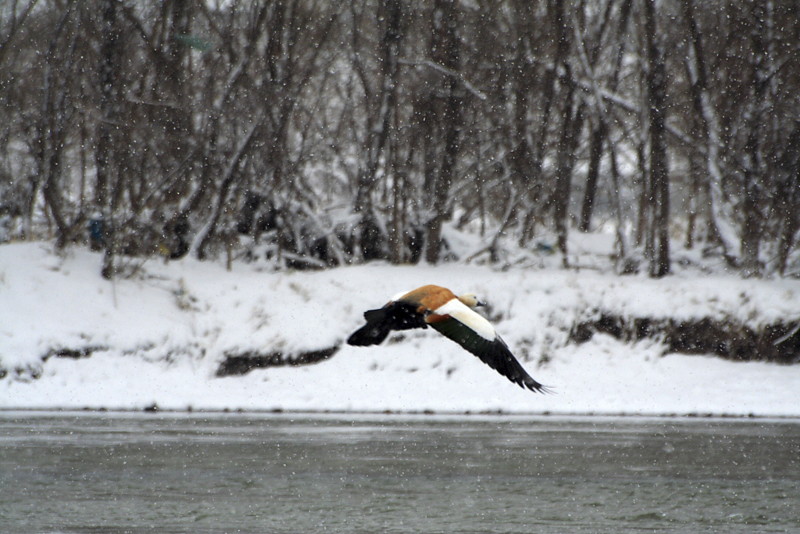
x=160 y=335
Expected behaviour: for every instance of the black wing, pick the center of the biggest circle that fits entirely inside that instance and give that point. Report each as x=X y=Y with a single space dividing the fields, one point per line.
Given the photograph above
x=493 y=353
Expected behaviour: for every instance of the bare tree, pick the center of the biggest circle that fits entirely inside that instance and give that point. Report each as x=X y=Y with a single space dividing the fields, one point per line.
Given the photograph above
x=752 y=223
x=108 y=189
x=312 y=135
x=565 y=163
x=658 y=225
x=380 y=93
x=446 y=100
x=788 y=198
x=52 y=125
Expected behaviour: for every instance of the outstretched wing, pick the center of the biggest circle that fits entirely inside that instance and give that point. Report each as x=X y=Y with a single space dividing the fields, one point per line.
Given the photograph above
x=477 y=336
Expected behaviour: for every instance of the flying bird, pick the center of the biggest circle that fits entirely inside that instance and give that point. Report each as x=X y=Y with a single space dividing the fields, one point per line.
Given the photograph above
x=452 y=316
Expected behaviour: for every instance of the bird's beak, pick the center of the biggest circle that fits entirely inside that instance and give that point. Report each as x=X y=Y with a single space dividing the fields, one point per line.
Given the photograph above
x=481 y=303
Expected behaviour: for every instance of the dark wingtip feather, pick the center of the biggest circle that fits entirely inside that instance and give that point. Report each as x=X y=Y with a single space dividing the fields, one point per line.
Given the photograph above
x=499 y=357
x=535 y=386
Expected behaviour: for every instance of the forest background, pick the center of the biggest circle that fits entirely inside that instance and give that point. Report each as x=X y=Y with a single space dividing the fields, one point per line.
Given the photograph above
x=310 y=133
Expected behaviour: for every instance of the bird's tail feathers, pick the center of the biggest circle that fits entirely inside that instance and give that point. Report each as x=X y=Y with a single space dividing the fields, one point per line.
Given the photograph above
x=374 y=316
x=374 y=332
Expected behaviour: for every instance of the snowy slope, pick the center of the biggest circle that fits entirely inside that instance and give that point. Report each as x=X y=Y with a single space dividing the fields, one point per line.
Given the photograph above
x=160 y=335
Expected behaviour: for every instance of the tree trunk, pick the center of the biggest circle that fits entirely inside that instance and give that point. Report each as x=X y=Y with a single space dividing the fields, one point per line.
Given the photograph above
x=535 y=191
x=107 y=180
x=175 y=118
x=381 y=106
x=710 y=131
x=595 y=156
x=621 y=243
x=50 y=136
x=659 y=179
x=565 y=158
x=445 y=51
x=695 y=177
x=752 y=223
x=789 y=198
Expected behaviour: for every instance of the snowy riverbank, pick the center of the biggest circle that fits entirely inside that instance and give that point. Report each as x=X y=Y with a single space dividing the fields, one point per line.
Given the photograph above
x=70 y=340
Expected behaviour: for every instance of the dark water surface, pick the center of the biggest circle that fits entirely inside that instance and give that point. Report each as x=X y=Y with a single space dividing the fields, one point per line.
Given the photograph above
x=349 y=473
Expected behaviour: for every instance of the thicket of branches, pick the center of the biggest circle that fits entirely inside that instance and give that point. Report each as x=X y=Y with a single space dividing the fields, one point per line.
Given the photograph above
x=318 y=133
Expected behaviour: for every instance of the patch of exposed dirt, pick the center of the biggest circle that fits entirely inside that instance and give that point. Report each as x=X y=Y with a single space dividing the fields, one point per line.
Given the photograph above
x=726 y=337
x=243 y=363
x=73 y=353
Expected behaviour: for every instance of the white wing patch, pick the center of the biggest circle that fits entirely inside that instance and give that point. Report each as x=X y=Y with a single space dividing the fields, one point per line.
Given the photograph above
x=463 y=314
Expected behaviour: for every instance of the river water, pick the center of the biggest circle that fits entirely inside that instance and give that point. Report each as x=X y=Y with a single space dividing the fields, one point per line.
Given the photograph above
x=287 y=473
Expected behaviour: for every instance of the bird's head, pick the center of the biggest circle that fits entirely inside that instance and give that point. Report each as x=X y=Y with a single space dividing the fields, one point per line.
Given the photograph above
x=471 y=300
